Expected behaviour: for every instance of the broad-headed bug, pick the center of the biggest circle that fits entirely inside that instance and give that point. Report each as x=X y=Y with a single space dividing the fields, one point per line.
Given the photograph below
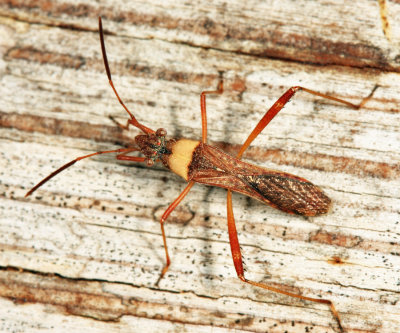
x=196 y=161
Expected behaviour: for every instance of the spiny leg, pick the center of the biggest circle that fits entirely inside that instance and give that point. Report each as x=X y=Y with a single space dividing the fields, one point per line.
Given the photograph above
x=219 y=90
x=67 y=165
x=169 y=210
x=133 y=120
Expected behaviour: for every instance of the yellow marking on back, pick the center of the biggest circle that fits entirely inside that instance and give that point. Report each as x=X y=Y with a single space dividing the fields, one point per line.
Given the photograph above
x=181 y=157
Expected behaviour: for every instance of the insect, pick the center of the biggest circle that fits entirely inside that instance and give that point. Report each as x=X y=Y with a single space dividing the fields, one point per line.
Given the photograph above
x=198 y=162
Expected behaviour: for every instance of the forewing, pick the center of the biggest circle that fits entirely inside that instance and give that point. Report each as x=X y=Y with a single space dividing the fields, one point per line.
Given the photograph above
x=289 y=193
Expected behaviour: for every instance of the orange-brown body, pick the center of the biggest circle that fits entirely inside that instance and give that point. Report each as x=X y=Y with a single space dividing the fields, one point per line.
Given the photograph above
x=202 y=163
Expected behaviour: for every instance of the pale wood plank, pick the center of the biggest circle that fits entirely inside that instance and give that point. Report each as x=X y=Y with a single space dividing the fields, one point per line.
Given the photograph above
x=97 y=222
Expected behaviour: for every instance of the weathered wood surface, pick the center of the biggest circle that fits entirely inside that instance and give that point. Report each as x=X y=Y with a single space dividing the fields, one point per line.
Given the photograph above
x=84 y=252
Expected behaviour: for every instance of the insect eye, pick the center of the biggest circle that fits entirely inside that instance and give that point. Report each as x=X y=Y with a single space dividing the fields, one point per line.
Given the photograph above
x=161 y=132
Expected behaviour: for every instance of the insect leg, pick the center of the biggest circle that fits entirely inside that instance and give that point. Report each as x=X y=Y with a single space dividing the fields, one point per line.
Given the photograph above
x=237 y=260
x=169 y=210
x=219 y=90
x=133 y=120
x=280 y=103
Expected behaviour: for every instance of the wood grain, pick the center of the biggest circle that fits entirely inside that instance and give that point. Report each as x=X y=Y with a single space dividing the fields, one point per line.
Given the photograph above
x=84 y=252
